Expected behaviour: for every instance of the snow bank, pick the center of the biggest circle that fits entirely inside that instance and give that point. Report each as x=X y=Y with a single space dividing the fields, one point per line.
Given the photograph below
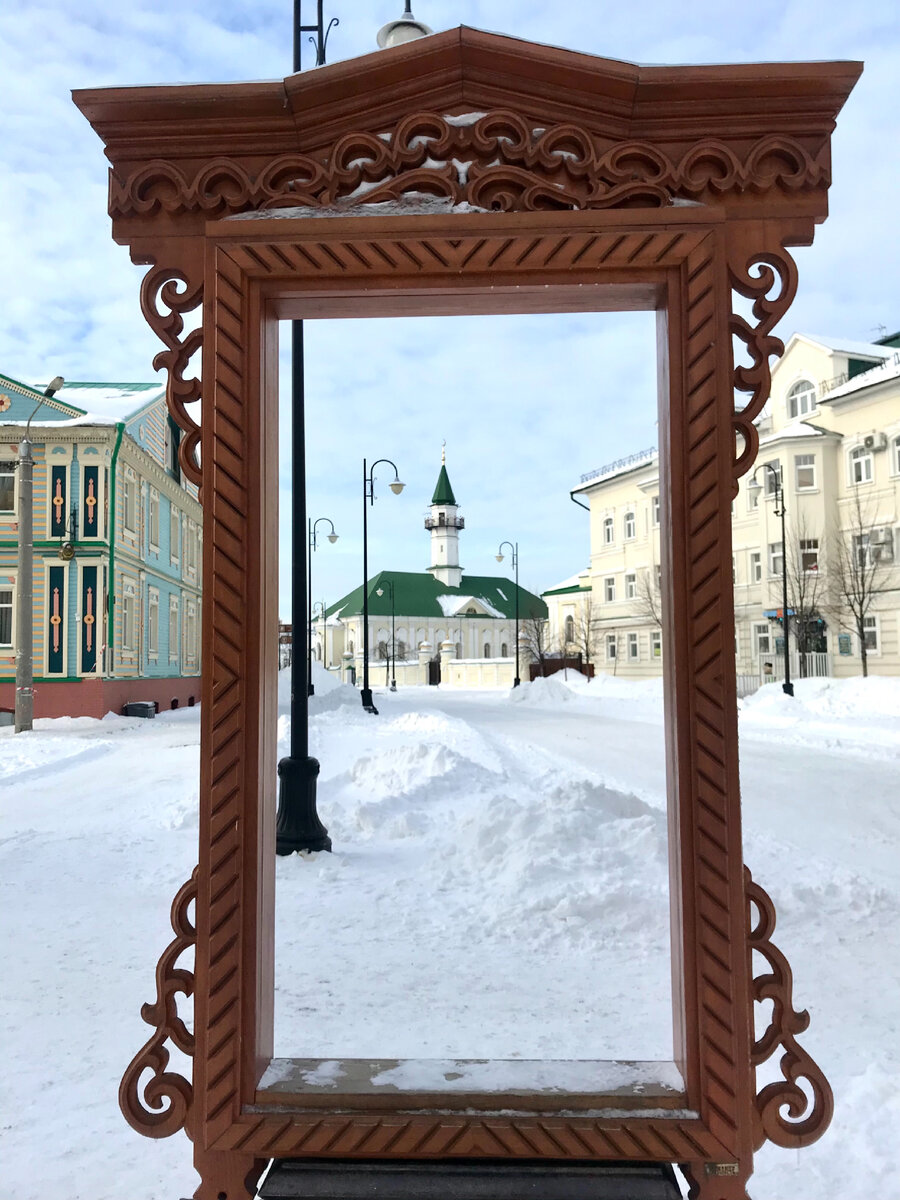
x=876 y=696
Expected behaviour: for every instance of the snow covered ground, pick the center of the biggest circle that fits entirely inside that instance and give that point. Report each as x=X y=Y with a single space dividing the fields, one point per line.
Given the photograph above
x=497 y=890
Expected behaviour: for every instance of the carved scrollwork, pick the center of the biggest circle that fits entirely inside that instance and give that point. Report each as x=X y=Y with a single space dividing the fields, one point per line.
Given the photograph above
x=790 y=1128
x=769 y=279
x=160 y=1107
x=177 y=294
x=501 y=161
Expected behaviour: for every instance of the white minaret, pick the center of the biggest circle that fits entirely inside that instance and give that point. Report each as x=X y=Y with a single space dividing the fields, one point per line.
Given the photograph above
x=445 y=525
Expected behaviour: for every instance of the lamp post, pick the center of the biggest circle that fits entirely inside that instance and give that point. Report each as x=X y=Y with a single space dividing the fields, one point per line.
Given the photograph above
x=24 y=715
x=393 y=655
x=515 y=563
x=404 y=29
x=369 y=495
x=297 y=824
x=756 y=486
x=332 y=537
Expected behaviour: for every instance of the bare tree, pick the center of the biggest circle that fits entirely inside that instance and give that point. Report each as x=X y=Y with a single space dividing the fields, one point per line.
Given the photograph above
x=648 y=595
x=804 y=588
x=585 y=631
x=861 y=562
x=535 y=638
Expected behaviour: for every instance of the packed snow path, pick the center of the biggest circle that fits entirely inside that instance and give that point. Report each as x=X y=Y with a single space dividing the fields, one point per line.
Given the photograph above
x=99 y=830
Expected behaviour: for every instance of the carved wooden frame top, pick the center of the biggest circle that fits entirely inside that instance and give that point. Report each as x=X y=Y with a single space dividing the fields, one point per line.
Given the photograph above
x=664 y=188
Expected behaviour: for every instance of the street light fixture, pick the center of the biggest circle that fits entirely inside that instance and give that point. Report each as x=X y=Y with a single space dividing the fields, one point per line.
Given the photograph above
x=756 y=487
x=404 y=29
x=332 y=537
x=393 y=655
x=24 y=706
x=515 y=563
x=369 y=495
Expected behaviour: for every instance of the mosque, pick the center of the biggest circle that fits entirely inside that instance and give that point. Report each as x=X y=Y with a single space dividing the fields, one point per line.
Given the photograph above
x=440 y=625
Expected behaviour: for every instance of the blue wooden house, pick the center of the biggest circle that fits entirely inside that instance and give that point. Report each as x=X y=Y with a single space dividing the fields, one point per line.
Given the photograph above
x=117 y=550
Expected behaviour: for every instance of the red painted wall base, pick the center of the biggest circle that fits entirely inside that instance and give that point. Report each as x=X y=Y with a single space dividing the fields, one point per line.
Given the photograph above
x=97 y=697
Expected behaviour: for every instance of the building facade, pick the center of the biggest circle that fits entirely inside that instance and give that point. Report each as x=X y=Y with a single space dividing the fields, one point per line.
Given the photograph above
x=117 y=551
x=440 y=625
x=829 y=452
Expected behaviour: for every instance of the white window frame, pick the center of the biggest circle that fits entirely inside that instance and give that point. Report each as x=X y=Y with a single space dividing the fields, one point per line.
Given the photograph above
x=769 y=481
x=153 y=519
x=612 y=643
x=775 y=559
x=634 y=649
x=629 y=526
x=895 y=447
x=804 y=462
x=630 y=586
x=808 y=547
x=656 y=643
x=153 y=623
x=872 y=626
x=762 y=631
x=654 y=510
x=865 y=460
x=174 y=532
x=174 y=613
x=800 y=399
x=755 y=566
x=609 y=589
x=129 y=500
x=609 y=531
x=11 y=604
x=129 y=615
x=569 y=629
x=8 y=470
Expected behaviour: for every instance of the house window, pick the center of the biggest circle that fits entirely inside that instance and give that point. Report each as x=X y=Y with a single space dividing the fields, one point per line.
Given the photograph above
x=776 y=558
x=504 y=650
x=630 y=587
x=756 y=566
x=129 y=613
x=801 y=399
x=173 y=627
x=174 y=533
x=609 y=589
x=611 y=647
x=154 y=518
x=762 y=640
x=382 y=651
x=570 y=629
x=773 y=478
x=896 y=456
x=6 y=616
x=809 y=555
x=609 y=532
x=633 y=647
x=130 y=502
x=874 y=547
x=7 y=486
x=400 y=651
x=190 y=633
x=753 y=498
x=805 y=468
x=153 y=622
x=861 y=465
x=734 y=568
x=654 y=510
x=629 y=526
x=487 y=649
x=656 y=644
x=870 y=631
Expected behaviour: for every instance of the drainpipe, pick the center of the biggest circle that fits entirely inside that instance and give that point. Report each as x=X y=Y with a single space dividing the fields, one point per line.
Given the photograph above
x=111 y=595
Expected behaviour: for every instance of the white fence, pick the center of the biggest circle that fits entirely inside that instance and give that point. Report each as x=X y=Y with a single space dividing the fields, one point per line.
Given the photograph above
x=806 y=666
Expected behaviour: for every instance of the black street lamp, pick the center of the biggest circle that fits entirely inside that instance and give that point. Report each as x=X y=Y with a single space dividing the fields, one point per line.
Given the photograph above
x=297 y=824
x=515 y=563
x=393 y=654
x=754 y=485
x=313 y=544
x=369 y=495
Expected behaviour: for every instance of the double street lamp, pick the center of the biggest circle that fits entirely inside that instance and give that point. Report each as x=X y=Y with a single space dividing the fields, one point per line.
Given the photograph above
x=332 y=537
x=515 y=563
x=369 y=498
x=393 y=651
x=756 y=487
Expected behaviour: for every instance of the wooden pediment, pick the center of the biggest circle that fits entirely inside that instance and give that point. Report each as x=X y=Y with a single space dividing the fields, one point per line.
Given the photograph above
x=476 y=120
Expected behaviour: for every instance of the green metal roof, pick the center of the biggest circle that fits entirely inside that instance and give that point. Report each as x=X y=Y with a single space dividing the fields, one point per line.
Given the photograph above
x=565 y=591
x=417 y=595
x=443 y=493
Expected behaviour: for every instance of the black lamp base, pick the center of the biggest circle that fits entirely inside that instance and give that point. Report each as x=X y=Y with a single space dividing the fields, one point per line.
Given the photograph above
x=297 y=825
x=365 y=694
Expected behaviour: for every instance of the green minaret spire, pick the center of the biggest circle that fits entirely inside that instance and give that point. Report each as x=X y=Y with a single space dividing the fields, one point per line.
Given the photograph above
x=443 y=492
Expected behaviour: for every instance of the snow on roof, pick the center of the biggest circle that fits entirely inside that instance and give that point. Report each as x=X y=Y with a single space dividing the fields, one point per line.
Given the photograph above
x=799 y=430
x=621 y=466
x=848 y=346
x=579 y=582
x=451 y=605
x=882 y=373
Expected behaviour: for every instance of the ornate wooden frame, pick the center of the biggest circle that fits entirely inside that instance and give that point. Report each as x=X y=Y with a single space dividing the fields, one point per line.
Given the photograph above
x=598 y=205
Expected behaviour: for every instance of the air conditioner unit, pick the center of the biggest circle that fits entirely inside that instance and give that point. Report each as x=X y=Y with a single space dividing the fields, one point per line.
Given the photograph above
x=869 y=441
x=881 y=441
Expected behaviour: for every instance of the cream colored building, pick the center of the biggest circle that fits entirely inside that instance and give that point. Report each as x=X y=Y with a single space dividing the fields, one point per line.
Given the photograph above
x=830 y=434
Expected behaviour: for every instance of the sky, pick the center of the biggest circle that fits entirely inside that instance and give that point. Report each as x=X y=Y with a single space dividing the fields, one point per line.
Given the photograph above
x=526 y=405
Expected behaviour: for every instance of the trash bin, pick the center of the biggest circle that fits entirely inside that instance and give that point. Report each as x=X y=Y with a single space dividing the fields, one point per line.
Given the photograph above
x=139 y=708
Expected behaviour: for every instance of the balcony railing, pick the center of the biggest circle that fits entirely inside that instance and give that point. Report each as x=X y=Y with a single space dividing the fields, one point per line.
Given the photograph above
x=447 y=523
